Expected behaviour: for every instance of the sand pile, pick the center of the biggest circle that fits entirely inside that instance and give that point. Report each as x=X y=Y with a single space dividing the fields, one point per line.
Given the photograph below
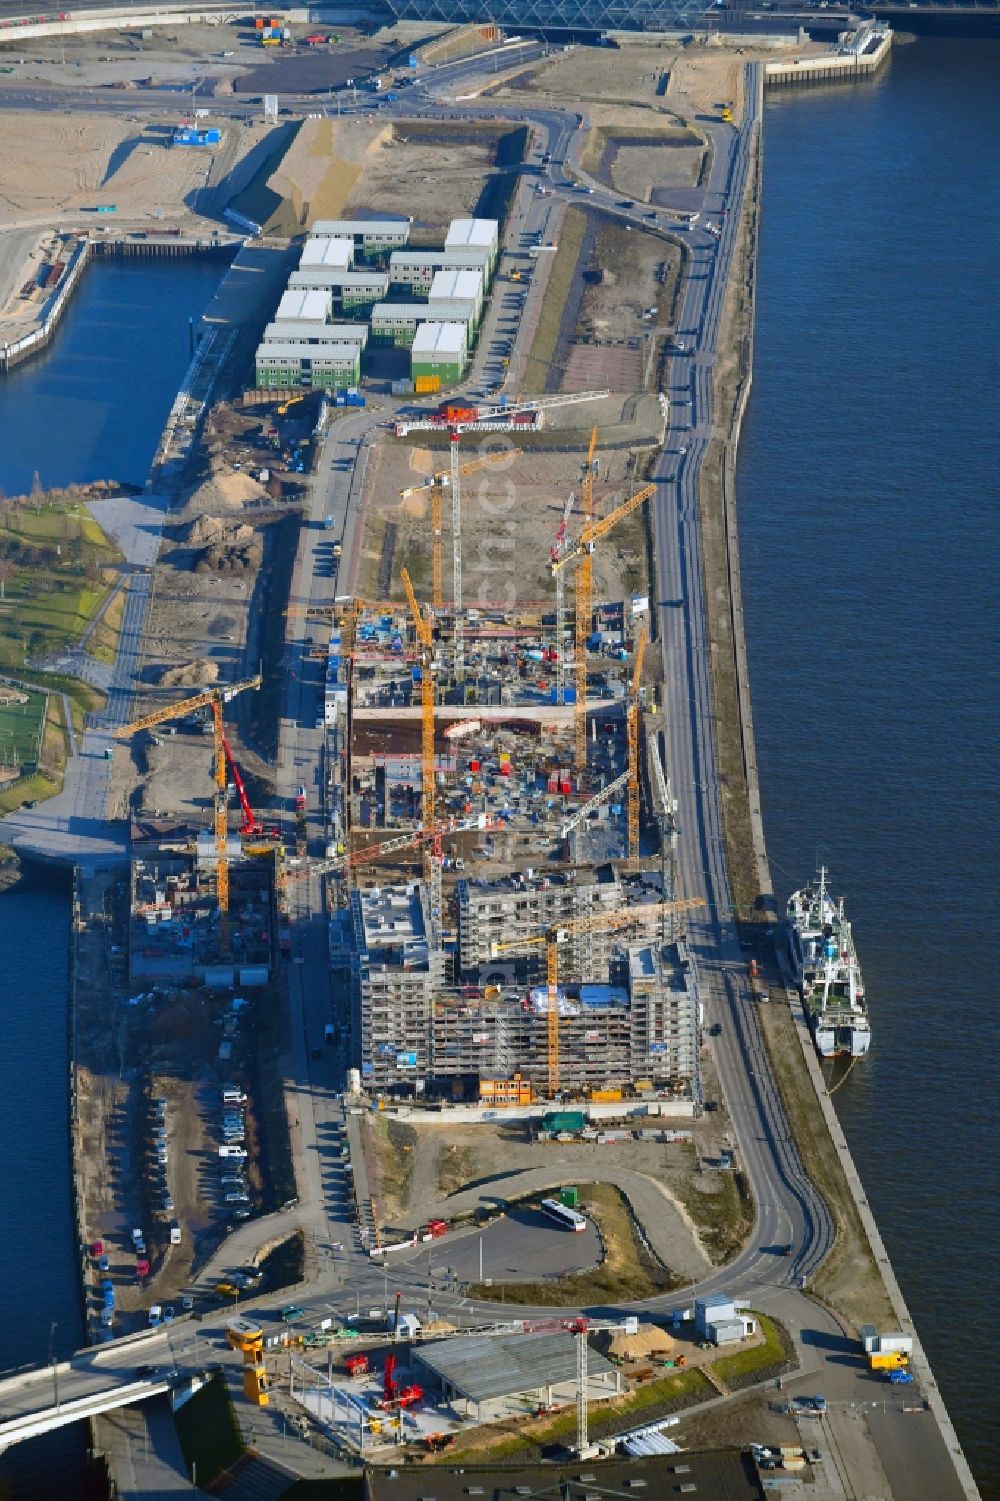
x=641 y=1345
x=197 y=674
x=225 y=487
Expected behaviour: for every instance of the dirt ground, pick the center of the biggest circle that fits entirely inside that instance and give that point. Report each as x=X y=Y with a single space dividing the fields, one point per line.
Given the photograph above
x=417 y=172
x=57 y=166
x=636 y=275
x=440 y=1160
x=509 y=519
x=640 y=84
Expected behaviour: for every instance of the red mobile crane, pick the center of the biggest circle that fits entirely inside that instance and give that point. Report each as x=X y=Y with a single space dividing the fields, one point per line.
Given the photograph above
x=394 y=1395
x=251 y=826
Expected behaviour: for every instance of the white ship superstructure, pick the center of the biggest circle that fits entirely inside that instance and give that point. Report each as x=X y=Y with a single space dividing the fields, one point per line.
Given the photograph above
x=826 y=969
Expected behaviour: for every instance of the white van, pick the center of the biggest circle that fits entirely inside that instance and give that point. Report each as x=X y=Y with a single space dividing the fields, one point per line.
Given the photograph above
x=233 y=1096
x=237 y=1197
x=239 y=1152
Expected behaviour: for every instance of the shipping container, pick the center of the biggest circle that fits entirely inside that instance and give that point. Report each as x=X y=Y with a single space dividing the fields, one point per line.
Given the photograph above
x=426 y=385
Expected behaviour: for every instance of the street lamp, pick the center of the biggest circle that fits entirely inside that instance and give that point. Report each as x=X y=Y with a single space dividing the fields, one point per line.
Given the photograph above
x=54 y=1364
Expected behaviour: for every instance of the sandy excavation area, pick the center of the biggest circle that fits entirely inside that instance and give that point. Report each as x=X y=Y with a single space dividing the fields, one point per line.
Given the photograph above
x=57 y=166
x=642 y=84
x=339 y=168
x=510 y=514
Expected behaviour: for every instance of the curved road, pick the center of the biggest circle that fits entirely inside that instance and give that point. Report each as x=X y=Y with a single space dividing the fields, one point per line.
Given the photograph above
x=788 y=1209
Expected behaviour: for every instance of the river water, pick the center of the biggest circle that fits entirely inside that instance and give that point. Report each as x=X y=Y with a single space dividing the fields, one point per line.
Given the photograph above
x=91 y=407
x=867 y=489
x=868 y=500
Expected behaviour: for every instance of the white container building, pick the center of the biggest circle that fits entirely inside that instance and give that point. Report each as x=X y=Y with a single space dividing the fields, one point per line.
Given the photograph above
x=304 y=303
x=334 y=251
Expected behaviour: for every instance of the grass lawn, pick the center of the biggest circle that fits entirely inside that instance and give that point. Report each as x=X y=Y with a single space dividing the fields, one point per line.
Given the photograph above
x=394 y=1143
x=103 y=644
x=209 y=1433
x=543 y=346
x=48 y=779
x=56 y=567
x=731 y=1368
x=653 y=1400
x=19 y=728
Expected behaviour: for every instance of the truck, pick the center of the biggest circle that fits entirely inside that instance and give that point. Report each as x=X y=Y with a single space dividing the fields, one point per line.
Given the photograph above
x=901 y=1377
x=888 y=1360
x=300 y=799
x=329 y=1034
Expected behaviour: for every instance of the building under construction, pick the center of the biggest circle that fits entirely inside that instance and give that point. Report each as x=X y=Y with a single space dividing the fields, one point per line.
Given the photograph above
x=627 y=1010
x=177 y=934
x=507 y=911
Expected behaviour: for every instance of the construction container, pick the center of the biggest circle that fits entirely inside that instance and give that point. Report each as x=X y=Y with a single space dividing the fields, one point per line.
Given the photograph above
x=423 y=385
x=570 y=1197
x=605 y=1096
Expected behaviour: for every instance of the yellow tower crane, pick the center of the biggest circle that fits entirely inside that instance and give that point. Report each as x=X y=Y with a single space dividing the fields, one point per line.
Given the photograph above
x=632 y=726
x=581 y=552
x=213 y=699
x=436 y=485
x=432 y=846
x=584 y=594
x=552 y=937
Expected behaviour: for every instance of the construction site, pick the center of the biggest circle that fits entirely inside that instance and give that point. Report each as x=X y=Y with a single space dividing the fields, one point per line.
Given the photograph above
x=498 y=821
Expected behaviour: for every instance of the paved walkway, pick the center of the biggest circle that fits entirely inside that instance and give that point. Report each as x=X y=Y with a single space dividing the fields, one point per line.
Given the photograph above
x=144 y=1452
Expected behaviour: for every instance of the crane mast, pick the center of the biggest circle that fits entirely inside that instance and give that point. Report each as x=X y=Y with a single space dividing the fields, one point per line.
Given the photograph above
x=432 y=837
x=552 y=937
x=632 y=725
x=456 y=562
x=584 y=594
x=213 y=699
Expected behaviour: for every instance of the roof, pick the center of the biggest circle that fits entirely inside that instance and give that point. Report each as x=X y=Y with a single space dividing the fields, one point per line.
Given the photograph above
x=481 y=1366
x=324 y=228
x=482 y=232
x=304 y=330
x=452 y=281
x=441 y=339
x=329 y=276
x=722 y=1474
x=444 y=310
x=315 y=352
x=477 y=254
x=332 y=250
x=301 y=303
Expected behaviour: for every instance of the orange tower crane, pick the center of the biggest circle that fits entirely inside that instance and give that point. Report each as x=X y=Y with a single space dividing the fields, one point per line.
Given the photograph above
x=581 y=552
x=213 y=699
x=437 y=484
x=552 y=937
x=584 y=595
x=432 y=847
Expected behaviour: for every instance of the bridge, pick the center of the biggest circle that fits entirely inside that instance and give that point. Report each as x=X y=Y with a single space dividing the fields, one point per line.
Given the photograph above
x=93 y=1381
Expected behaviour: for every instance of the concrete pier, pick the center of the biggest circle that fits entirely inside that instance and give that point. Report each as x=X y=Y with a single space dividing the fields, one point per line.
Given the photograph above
x=858 y=54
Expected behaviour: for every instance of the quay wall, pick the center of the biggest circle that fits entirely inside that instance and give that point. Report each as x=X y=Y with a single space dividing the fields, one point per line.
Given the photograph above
x=921 y=1364
x=832 y=67
x=127 y=246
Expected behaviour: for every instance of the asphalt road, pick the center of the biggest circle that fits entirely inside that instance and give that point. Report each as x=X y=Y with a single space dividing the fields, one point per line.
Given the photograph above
x=788 y=1209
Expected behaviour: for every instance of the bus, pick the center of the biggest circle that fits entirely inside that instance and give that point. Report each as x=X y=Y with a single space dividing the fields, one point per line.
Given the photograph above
x=567 y=1218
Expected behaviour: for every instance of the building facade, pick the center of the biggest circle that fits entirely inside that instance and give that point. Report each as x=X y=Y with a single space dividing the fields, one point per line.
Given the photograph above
x=325 y=367
x=397 y=322
x=439 y=352
x=370 y=236
x=414 y=270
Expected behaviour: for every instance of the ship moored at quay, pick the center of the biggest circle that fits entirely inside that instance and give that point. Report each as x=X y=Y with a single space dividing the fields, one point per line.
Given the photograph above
x=826 y=970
